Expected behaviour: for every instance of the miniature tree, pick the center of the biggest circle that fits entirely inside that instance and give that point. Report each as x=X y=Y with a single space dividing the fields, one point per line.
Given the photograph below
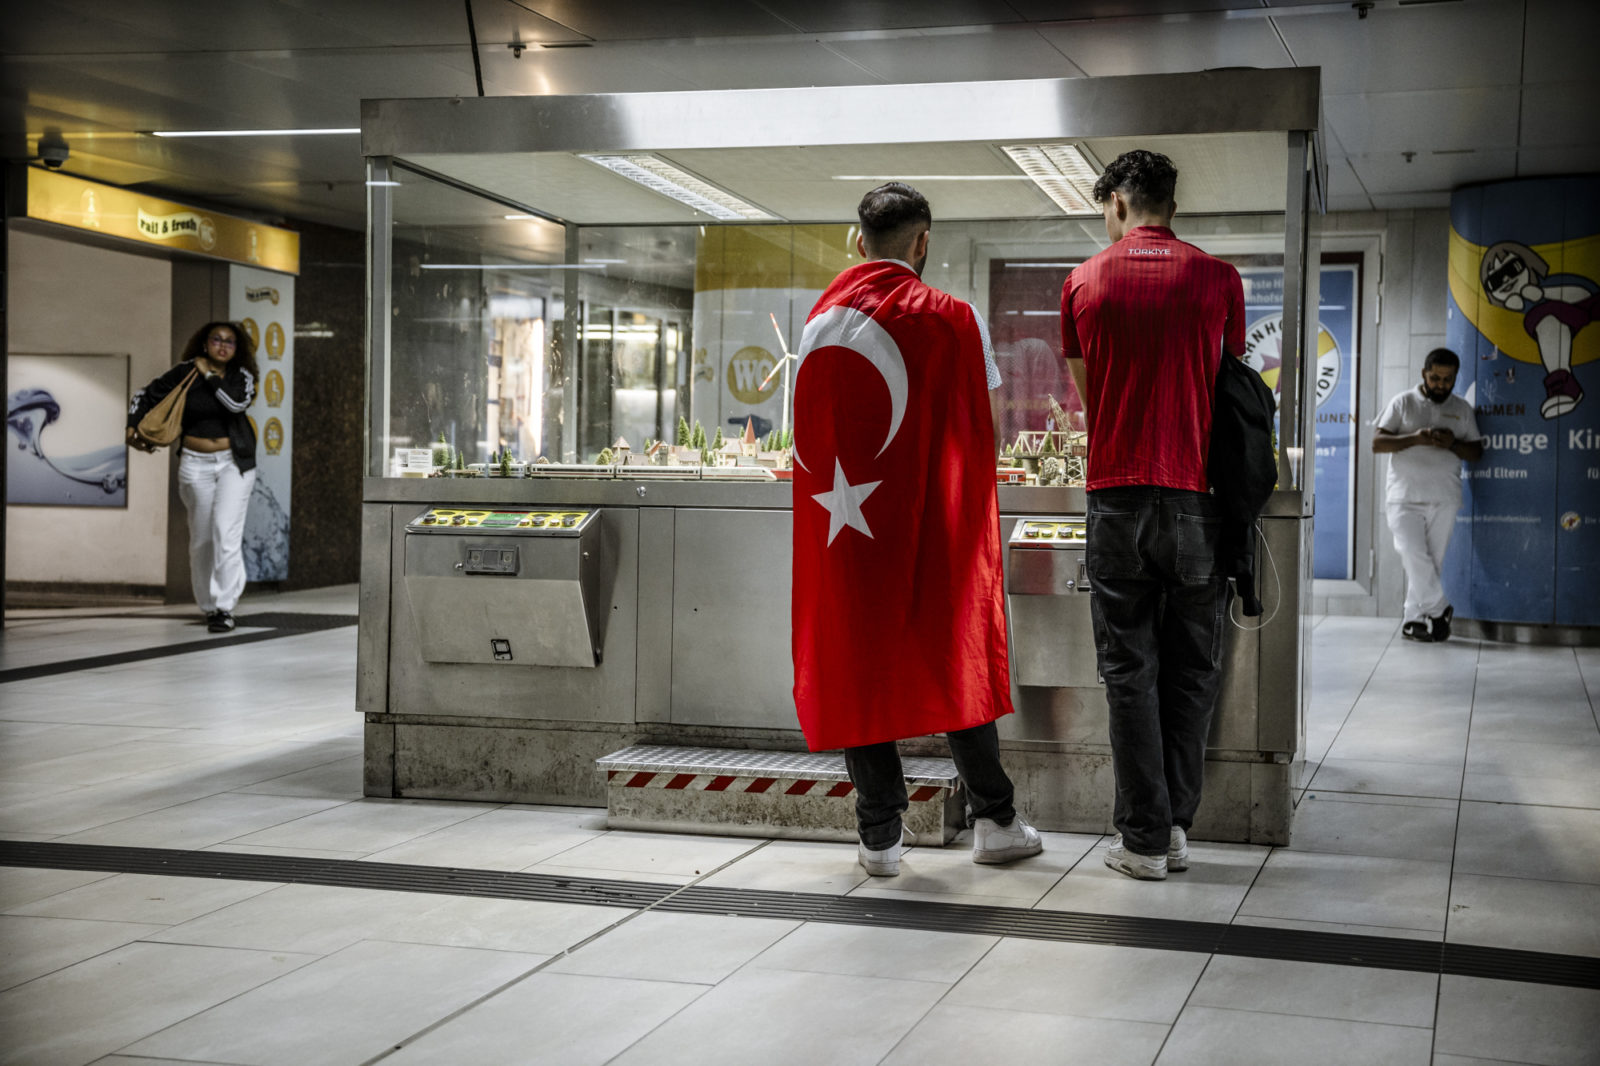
x=705 y=457
x=1049 y=445
x=604 y=458
x=788 y=438
x=461 y=459
x=441 y=453
x=505 y=463
x=697 y=439
x=717 y=442
x=683 y=437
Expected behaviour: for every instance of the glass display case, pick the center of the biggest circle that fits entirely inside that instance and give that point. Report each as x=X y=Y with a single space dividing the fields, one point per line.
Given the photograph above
x=587 y=306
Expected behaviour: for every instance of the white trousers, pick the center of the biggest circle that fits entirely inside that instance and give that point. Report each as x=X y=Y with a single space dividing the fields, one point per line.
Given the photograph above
x=216 y=496
x=1421 y=534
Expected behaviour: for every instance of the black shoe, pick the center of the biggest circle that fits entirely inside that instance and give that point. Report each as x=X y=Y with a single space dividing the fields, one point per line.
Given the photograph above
x=220 y=622
x=1418 y=631
x=1440 y=626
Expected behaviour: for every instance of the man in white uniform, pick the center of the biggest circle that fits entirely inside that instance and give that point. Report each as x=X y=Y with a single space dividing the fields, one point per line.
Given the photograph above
x=1427 y=430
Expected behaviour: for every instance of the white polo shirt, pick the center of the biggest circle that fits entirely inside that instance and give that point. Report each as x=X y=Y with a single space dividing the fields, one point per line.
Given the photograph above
x=1424 y=473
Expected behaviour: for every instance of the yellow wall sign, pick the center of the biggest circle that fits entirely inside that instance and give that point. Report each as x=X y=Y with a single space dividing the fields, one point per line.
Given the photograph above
x=106 y=209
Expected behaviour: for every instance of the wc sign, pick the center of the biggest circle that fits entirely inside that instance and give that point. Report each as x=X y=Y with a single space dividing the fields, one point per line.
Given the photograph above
x=747 y=369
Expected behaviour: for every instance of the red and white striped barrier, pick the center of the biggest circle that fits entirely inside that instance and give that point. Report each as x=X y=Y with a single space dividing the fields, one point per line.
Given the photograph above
x=725 y=783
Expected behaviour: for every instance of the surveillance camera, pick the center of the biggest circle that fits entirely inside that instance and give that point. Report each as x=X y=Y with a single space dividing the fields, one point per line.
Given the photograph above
x=53 y=153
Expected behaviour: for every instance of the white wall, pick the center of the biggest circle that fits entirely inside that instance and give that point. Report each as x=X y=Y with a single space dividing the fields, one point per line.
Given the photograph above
x=66 y=298
x=1414 y=250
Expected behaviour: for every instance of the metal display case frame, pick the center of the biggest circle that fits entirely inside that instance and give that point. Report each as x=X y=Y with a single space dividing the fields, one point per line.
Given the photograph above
x=683 y=661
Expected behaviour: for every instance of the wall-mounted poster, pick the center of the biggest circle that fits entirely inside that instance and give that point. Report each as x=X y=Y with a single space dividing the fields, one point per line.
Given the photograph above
x=263 y=303
x=65 y=421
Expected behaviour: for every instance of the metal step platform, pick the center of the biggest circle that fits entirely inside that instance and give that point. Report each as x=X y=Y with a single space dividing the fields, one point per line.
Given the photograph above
x=783 y=794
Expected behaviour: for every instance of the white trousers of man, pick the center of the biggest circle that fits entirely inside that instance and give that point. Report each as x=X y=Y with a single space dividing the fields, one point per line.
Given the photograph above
x=1421 y=534
x=216 y=495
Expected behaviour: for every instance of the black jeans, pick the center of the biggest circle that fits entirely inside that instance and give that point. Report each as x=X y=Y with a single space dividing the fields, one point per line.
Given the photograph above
x=1159 y=609
x=881 y=786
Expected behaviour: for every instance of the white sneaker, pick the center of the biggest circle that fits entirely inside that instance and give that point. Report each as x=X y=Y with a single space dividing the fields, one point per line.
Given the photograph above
x=1141 y=867
x=1178 y=851
x=993 y=843
x=884 y=862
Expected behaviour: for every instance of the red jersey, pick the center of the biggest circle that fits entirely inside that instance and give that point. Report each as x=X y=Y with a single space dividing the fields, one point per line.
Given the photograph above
x=1150 y=317
x=898 y=604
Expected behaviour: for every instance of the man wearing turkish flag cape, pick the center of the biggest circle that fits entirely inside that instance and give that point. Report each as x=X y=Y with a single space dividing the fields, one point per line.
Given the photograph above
x=899 y=624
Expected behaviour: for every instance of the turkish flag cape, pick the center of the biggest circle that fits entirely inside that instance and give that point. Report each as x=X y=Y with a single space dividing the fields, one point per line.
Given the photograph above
x=899 y=625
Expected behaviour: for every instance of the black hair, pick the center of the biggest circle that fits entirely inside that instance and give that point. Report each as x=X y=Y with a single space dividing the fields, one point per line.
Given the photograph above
x=1147 y=180
x=887 y=210
x=1441 y=357
x=244 y=351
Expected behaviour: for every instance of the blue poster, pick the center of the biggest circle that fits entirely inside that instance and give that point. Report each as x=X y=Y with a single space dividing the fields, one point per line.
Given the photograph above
x=1524 y=293
x=1334 y=444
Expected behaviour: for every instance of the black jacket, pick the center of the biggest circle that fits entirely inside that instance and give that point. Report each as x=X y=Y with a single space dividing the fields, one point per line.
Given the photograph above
x=1243 y=470
x=234 y=392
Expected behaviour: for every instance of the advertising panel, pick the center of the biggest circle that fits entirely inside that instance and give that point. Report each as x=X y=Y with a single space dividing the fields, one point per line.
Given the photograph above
x=1524 y=293
x=262 y=302
x=64 y=421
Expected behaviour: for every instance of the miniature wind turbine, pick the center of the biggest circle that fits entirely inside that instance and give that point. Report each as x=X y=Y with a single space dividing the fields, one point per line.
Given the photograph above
x=783 y=364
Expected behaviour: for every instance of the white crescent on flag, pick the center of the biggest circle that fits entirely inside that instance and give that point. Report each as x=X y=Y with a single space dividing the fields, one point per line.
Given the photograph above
x=848 y=327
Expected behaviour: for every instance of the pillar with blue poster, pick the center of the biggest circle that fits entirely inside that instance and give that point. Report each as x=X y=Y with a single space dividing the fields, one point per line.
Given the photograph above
x=1524 y=281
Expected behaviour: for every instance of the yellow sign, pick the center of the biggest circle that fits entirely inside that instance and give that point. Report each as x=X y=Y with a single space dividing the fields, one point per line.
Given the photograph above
x=113 y=212
x=747 y=369
x=254 y=330
x=275 y=341
x=274 y=388
x=274 y=436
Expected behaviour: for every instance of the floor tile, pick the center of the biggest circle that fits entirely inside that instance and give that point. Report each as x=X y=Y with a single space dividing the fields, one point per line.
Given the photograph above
x=866 y=951
x=85 y=1011
x=497 y=840
x=794 y=866
x=1515 y=912
x=962 y=1036
x=825 y=1018
x=320 y=1014
x=674 y=854
x=1207 y=1036
x=1349 y=928
x=1354 y=889
x=949 y=873
x=533 y=926
x=314 y=919
x=1211 y=889
x=551 y=1017
x=366 y=825
x=1514 y=840
x=1086 y=980
x=1518 y=1021
x=1328 y=823
x=35 y=946
x=1388 y=778
x=21 y=885
x=1342 y=993
x=158 y=900
x=339 y=779
x=202 y=822
x=658 y=946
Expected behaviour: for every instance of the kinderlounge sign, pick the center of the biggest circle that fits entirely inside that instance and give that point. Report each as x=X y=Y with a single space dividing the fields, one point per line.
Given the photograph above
x=113 y=212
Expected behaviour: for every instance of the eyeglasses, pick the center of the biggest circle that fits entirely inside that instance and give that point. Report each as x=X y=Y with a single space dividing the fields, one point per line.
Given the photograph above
x=226 y=342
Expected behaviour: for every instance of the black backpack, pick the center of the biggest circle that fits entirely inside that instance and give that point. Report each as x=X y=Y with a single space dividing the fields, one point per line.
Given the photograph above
x=1243 y=469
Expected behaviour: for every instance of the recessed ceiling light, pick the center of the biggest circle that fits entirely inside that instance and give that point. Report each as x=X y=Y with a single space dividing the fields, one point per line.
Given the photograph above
x=253 y=133
x=662 y=177
x=1064 y=172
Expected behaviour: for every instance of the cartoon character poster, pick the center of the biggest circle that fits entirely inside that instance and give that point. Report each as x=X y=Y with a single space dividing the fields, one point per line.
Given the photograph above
x=1524 y=300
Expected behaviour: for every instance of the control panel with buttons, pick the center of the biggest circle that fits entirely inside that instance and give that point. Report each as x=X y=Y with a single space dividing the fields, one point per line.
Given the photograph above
x=522 y=523
x=1052 y=533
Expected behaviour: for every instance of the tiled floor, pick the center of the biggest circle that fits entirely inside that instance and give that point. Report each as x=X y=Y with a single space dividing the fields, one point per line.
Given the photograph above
x=1452 y=794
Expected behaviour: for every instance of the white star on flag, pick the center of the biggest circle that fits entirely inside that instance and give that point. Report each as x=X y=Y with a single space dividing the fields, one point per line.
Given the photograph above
x=843 y=504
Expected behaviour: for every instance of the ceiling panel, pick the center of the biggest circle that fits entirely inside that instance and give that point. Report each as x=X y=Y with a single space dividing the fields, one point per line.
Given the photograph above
x=562 y=71
x=826 y=16
x=1345 y=192
x=1389 y=173
x=1423 y=121
x=212 y=25
x=1555 y=115
x=1559 y=43
x=1410 y=201
x=1110 y=48
x=1432 y=46
x=630 y=20
x=1052 y=10
x=720 y=64
x=982 y=55
x=1216 y=174
x=1573 y=159
x=563 y=185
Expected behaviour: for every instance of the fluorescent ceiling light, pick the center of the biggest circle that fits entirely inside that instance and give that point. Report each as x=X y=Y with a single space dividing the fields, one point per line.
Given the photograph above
x=664 y=178
x=909 y=178
x=1064 y=172
x=383 y=184
x=252 y=133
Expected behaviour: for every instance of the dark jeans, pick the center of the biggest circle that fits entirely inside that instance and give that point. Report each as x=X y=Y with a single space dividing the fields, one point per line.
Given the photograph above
x=881 y=786
x=1159 y=609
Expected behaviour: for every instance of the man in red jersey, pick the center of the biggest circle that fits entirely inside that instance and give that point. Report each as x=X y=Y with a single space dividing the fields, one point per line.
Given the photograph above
x=899 y=625
x=1144 y=326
